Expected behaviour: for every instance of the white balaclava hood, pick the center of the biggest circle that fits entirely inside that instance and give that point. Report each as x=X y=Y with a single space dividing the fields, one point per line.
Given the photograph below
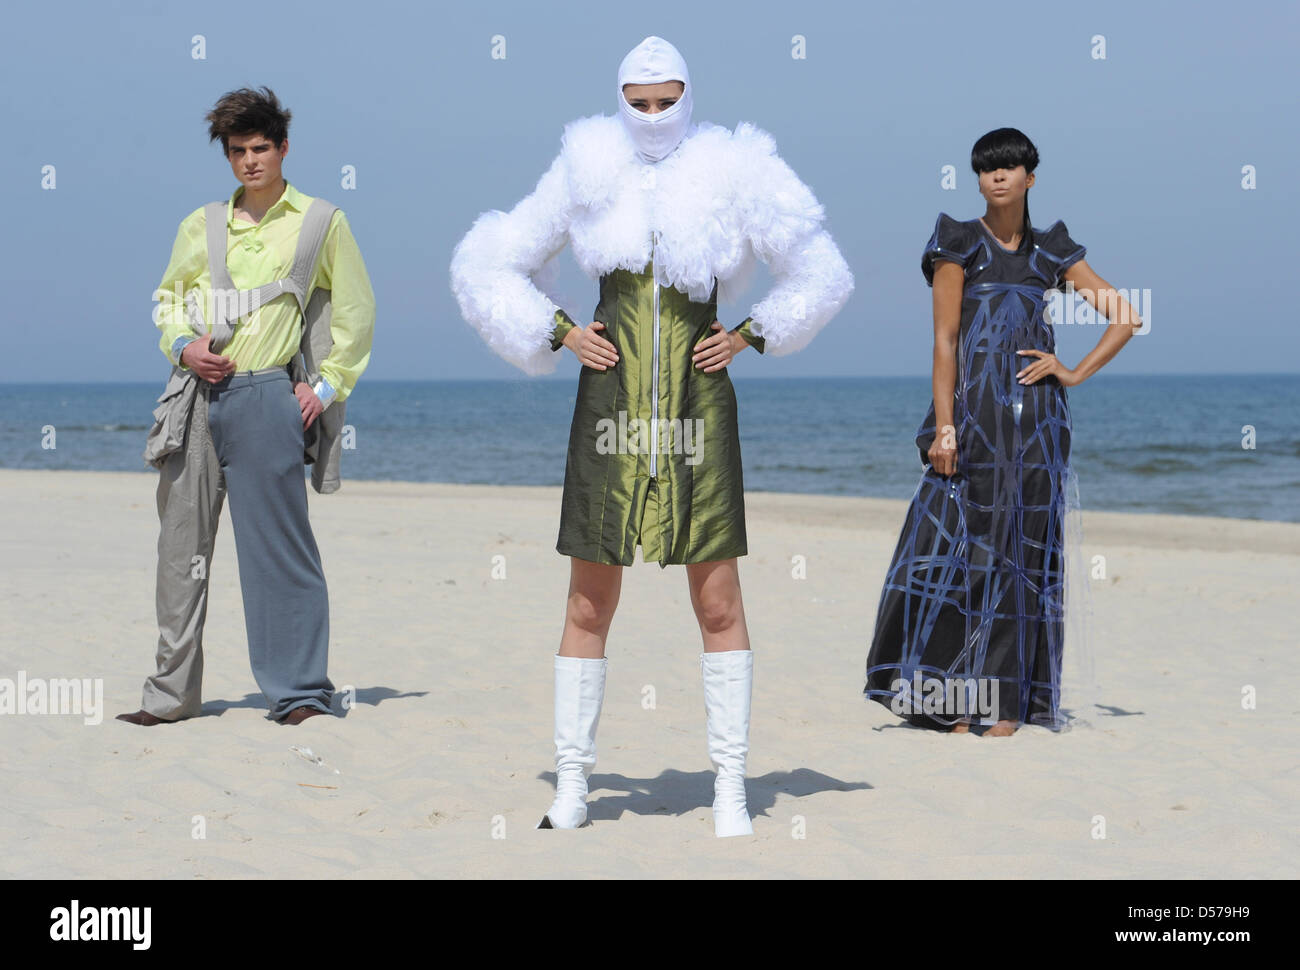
x=655 y=135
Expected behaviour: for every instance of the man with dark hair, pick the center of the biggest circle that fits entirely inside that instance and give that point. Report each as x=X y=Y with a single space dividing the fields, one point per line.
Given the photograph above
x=246 y=429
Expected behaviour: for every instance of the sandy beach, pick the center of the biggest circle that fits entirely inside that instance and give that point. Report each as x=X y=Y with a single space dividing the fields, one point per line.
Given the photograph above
x=446 y=608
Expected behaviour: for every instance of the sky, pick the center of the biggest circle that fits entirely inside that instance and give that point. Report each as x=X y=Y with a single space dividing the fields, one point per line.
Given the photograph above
x=1142 y=155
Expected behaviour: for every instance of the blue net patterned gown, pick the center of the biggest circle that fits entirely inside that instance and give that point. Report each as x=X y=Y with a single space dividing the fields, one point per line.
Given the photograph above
x=970 y=623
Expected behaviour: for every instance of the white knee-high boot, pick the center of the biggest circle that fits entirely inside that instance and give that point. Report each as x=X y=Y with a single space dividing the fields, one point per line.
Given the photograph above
x=579 y=693
x=728 y=679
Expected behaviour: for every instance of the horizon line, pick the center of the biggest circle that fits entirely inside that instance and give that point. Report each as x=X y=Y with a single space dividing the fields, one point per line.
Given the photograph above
x=745 y=377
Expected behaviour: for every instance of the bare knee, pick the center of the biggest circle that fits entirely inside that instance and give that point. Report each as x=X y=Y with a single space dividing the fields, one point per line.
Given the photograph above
x=591 y=612
x=718 y=610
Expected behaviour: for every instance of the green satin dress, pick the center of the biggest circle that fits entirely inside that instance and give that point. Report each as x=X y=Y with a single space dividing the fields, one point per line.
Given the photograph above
x=684 y=500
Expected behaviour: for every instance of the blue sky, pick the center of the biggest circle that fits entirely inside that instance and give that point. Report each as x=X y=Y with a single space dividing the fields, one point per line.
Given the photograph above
x=1142 y=156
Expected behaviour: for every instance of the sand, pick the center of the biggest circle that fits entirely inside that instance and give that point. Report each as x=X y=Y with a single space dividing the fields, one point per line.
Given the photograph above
x=444 y=763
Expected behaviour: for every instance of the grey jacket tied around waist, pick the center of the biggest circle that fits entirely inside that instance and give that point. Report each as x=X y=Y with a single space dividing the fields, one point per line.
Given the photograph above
x=324 y=438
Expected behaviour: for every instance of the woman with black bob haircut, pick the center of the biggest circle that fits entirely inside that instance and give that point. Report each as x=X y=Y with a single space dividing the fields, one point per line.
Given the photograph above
x=970 y=626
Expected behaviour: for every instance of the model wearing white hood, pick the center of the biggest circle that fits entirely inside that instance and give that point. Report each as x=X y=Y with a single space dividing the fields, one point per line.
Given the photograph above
x=654 y=61
x=670 y=217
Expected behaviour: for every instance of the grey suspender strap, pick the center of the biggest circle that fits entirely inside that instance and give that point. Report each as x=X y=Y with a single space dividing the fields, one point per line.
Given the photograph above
x=315 y=224
x=214 y=216
x=229 y=304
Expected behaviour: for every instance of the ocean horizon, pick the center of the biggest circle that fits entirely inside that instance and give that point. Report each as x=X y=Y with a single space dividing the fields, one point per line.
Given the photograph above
x=1187 y=444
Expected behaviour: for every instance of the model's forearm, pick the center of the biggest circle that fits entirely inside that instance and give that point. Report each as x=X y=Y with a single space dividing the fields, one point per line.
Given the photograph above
x=353 y=333
x=173 y=326
x=183 y=268
x=564 y=329
x=492 y=270
x=949 y=287
x=812 y=284
x=1124 y=323
x=943 y=381
x=352 y=312
x=572 y=338
x=746 y=332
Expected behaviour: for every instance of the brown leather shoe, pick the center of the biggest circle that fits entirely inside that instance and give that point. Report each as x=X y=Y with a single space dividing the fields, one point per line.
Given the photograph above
x=143 y=718
x=300 y=714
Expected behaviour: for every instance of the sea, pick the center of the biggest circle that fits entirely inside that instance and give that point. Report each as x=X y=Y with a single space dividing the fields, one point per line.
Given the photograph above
x=1220 y=445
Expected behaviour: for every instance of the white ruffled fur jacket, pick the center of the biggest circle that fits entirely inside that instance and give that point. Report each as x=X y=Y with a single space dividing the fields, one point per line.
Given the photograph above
x=717 y=202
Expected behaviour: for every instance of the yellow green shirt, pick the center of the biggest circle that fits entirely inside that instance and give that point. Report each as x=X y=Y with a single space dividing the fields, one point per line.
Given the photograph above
x=262 y=253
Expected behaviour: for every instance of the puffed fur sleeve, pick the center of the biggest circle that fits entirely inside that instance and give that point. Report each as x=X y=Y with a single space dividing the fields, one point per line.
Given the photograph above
x=496 y=268
x=782 y=220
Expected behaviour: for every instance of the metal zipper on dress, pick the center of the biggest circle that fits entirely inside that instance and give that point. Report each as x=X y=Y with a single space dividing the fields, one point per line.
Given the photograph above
x=654 y=380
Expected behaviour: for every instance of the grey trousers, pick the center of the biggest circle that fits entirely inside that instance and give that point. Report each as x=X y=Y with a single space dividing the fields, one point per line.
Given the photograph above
x=245 y=435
